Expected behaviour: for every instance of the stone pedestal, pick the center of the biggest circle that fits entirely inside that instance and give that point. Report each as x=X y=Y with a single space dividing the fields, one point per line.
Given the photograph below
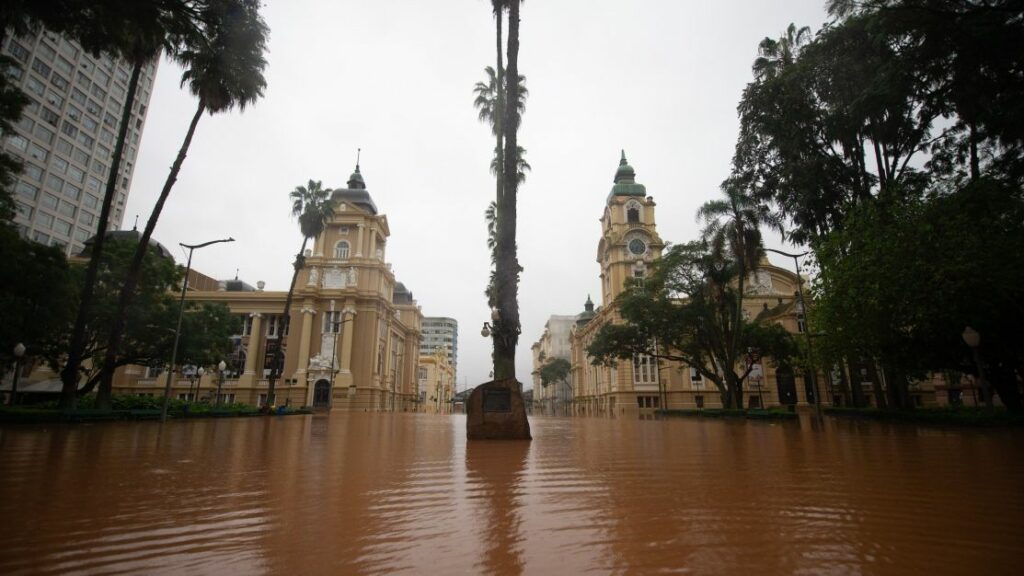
x=495 y=411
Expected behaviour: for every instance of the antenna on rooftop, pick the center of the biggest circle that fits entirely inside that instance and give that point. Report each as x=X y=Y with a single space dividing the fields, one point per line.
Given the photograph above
x=236 y=273
x=135 y=227
x=359 y=152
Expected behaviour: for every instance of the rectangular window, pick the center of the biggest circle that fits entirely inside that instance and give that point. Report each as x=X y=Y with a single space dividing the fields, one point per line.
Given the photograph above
x=72 y=192
x=44 y=134
x=97 y=166
x=696 y=380
x=27 y=190
x=41 y=68
x=14 y=72
x=32 y=172
x=54 y=183
x=64 y=147
x=40 y=237
x=107 y=137
x=54 y=99
x=35 y=86
x=110 y=120
x=18 y=142
x=68 y=49
x=102 y=77
x=86 y=218
x=87 y=65
x=87 y=141
x=331 y=322
x=67 y=209
x=82 y=79
x=699 y=400
x=50 y=117
x=37 y=152
x=91 y=201
x=50 y=201
x=79 y=96
x=92 y=184
x=80 y=156
x=644 y=369
x=19 y=51
x=273 y=325
x=246 y=324
x=63 y=65
x=74 y=113
x=46 y=51
x=76 y=174
x=58 y=165
x=61 y=227
x=68 y=128
x=801 y=324
x=24 y=211
x=82 y=235
x=45 y=220
x=59 y=82
x=93 y=108
x=98 y=92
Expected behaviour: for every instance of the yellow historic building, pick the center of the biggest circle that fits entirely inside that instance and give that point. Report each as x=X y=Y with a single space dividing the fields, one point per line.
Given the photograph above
x=628 y=246
x=436 y=379
x=354 y=336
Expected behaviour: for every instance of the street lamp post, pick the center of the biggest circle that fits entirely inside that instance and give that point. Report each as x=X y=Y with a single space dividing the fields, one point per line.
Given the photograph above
x=802 y=310
x=973 y=340
x=221 y=367
x=181 y=311
x=19 y=352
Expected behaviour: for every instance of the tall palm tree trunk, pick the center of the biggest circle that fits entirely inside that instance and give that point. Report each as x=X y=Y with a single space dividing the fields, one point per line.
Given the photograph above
x=275 y=362
x=131 y=280
x=499 y=107
x=508 y=263
x=69 y=374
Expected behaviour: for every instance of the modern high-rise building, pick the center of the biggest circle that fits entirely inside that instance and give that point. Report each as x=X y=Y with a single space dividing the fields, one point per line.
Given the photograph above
x=67 y=134
x=441 y=333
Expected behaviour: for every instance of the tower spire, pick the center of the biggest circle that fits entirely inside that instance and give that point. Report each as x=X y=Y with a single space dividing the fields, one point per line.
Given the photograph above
x=359 y=153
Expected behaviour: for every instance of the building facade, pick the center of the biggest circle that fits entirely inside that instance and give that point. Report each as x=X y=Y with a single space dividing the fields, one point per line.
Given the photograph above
x=436 y=379
x=441 y=334
x=353 y=339
x=67 y=134
x=554 y=343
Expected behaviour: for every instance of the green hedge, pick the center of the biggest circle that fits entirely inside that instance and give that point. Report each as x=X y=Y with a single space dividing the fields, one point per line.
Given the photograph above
x=753 y=414
x=942 y=416
x=130 y=407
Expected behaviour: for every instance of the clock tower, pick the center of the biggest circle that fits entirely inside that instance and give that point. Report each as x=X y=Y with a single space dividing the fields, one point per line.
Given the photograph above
x=629 y=239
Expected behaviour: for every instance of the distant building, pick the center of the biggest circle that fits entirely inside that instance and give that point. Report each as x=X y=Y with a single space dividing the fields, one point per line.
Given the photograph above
x=441 y=333
x=555 y=342
x=435 y=377
x=66 y=137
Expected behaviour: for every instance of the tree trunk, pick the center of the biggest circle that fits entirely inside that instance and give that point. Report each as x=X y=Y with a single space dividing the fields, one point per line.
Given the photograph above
x=507 y=266
x=975 y=163
x=69 y=374
x=499 y=112
x=275 y=362
x=132 y=278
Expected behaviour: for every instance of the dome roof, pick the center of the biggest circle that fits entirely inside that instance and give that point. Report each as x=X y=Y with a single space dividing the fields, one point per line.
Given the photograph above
x=356 y=193
x=132 y=236
x=625 y=181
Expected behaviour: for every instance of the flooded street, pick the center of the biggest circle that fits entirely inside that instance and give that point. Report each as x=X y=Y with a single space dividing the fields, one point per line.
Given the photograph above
x=404 y=493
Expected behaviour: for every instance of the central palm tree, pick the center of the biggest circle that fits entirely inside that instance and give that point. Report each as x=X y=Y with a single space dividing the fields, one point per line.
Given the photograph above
x=312 y=206
x=224 y=69
x=733 y=232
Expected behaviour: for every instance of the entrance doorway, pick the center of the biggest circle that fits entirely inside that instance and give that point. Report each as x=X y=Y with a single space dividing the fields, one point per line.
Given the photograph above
x=321 y=394
x=787 y=385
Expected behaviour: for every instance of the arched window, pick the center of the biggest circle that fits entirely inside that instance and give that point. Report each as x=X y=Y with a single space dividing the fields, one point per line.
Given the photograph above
x=633 y=212
x=341 y=250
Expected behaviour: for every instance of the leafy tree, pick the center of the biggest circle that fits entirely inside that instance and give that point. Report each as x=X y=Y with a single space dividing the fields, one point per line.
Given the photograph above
x=312 y=206
x=554 y=372
x=903 y=280
x=12 y=102
x=36 y=301
x=685 y=312
x=148 y=336
x=224 y=69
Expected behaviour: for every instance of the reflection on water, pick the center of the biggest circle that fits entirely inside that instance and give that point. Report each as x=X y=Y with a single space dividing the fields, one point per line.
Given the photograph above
x=384 y=494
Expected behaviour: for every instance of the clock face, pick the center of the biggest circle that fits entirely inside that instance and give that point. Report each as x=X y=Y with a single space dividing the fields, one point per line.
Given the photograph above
x=637 y=246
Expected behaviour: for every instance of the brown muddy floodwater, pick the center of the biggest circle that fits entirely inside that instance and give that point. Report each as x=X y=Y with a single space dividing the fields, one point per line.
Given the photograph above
x=404 y=493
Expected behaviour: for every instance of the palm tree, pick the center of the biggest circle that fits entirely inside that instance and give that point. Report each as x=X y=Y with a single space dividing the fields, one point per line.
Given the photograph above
x=507 y=263
x=312 y=206
x=733 y=231
x=522 y=166
x=224 y=69
x=137 y=32
x=775 y=55
x=489 y=96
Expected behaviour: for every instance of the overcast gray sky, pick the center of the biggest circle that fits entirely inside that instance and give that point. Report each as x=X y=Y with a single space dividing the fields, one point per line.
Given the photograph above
x=660 y=78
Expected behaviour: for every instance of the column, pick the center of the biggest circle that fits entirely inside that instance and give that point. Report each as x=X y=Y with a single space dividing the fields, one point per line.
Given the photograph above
x=373 y=242
x=248 y=377
x=359 y=242
x=304 y=337
x=349 y=316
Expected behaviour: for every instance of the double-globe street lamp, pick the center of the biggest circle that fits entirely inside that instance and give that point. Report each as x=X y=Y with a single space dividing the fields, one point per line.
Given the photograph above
x=181 y=311
x=221 y=367
x=802 y=311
